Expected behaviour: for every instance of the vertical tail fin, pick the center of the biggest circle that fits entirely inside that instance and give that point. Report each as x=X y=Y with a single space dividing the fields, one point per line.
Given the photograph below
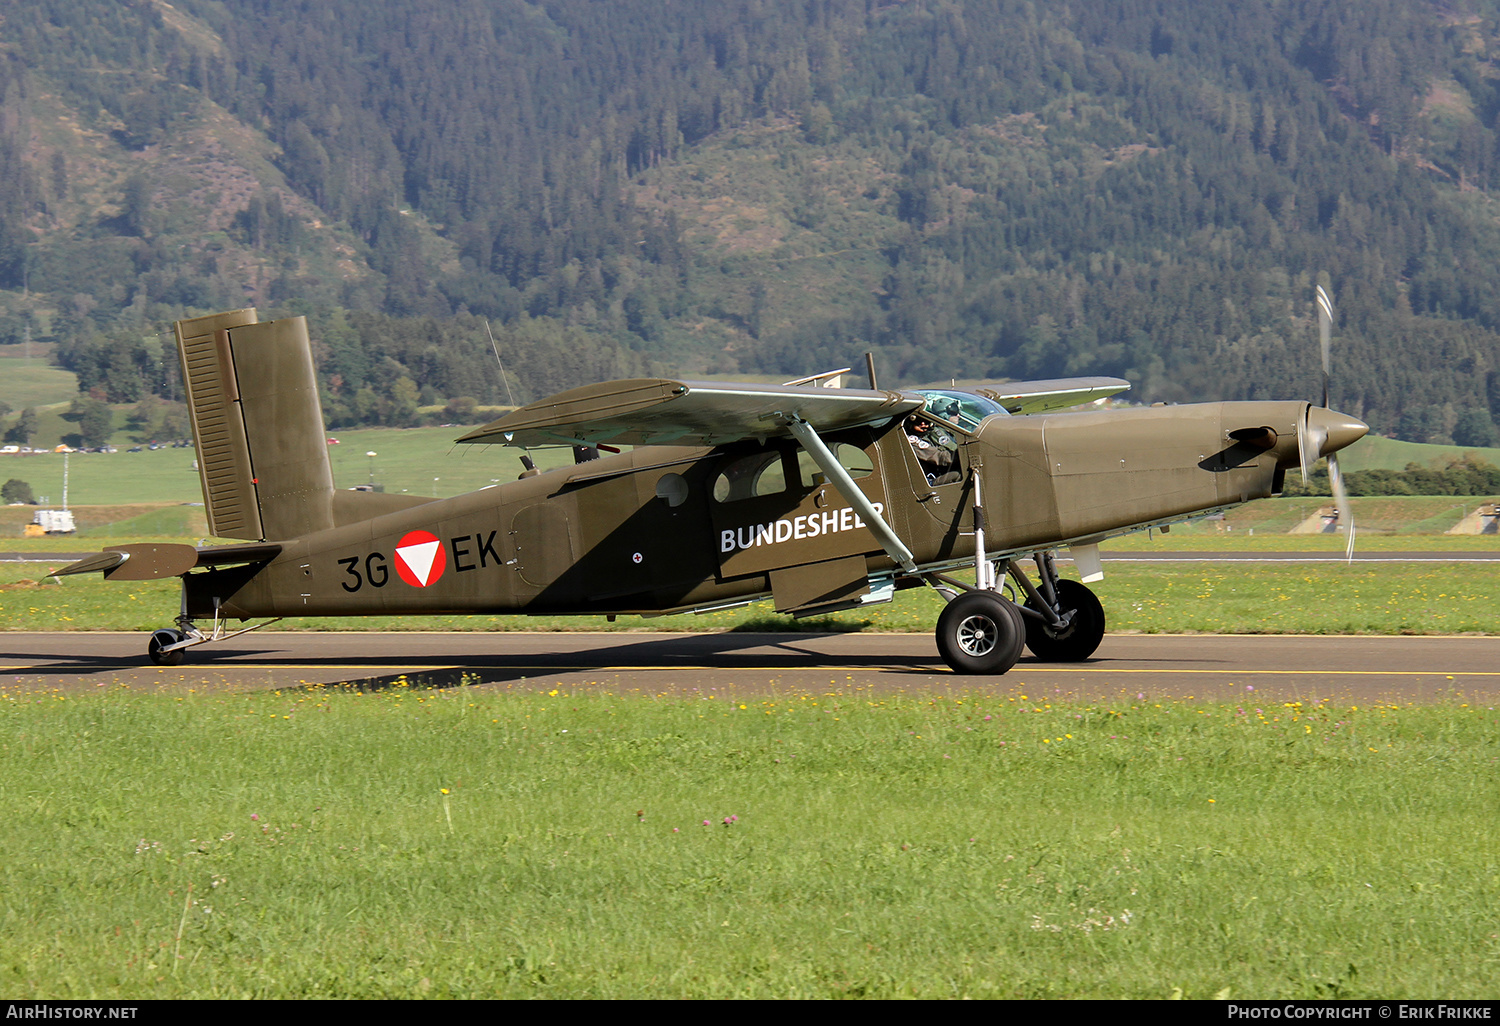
x=253 y=398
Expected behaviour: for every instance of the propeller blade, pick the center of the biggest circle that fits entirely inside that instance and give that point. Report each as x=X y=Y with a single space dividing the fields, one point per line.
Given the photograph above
x=1325 y=331
x=1327 y=427
x=1304 y=458
x=1341 y=501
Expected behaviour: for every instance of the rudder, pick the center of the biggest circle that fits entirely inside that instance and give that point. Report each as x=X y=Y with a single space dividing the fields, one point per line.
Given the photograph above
x=253 y=398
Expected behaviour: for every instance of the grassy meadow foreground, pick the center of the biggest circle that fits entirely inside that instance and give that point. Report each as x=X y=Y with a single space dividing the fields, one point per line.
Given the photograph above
x=566 y=842
x=476 y=843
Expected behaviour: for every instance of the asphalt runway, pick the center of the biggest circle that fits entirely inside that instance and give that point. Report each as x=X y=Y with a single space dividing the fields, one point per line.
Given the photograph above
x=1260 y=668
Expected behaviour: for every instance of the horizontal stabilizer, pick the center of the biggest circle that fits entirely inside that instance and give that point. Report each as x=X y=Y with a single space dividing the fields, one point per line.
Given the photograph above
x=658 y=411
x=95 y=563
x=154 y=562
x=1051 y=394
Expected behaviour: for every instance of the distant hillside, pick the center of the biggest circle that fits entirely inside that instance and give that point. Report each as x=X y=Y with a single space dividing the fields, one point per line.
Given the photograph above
x=1148 y=188
x=1392 y=454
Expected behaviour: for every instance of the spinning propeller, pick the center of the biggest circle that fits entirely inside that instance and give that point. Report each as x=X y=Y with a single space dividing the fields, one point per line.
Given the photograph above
x=1320 y=426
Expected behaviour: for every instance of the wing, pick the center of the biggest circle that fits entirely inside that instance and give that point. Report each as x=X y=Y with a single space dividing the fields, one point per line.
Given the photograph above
x=1052 y=394
x=659 y=411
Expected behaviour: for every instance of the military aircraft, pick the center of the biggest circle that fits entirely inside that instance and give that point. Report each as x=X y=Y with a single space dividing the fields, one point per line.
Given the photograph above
x=816 y=496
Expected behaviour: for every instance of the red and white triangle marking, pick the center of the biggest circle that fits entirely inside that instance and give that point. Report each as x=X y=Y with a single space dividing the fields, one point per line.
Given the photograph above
x=420 y=556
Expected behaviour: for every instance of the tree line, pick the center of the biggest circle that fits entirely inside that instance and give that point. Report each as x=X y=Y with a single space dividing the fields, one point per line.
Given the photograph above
x=1146 y=188
x=1463 y=475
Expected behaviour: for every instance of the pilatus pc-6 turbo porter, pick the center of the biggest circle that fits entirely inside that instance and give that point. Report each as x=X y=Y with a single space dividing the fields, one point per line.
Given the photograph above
x=819 y=498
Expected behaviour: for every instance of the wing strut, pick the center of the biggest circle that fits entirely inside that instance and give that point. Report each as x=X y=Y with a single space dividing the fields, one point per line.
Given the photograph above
x=835 y=472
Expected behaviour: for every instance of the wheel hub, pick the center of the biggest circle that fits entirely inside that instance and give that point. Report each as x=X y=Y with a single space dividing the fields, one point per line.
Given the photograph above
x=1060 y=633
x=977 y=635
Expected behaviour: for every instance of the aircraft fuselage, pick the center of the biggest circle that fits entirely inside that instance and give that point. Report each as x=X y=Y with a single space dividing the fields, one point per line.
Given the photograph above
x=664 y=528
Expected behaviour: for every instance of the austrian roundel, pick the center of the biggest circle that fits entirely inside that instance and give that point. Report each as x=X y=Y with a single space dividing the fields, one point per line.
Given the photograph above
x=420 y=559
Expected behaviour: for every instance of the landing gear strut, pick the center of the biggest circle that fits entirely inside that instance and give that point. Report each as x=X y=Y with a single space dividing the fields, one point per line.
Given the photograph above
x=980 y=631
x=167 y=645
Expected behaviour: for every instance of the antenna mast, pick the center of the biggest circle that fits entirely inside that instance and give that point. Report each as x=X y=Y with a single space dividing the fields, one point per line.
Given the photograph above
x=511 y=398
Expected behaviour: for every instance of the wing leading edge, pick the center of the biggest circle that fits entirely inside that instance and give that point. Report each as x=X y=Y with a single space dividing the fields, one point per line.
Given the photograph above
x=1052 y=394
x=661 y=411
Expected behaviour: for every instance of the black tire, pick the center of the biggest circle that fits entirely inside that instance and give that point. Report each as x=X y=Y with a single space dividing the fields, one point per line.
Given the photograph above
x=980 y=632
x=160 y=640
x=1077 y=641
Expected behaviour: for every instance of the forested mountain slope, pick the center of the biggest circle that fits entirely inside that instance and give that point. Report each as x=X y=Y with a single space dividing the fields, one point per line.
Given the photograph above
x=1148 y=188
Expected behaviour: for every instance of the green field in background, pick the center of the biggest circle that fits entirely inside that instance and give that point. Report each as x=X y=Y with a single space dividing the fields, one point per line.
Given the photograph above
x=420 y=461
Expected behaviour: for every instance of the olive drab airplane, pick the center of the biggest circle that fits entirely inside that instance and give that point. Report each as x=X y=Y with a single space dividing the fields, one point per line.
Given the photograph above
x=815 y=496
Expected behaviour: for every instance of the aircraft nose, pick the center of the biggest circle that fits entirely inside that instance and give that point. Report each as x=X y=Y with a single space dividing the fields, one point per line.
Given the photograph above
x=1336 y=429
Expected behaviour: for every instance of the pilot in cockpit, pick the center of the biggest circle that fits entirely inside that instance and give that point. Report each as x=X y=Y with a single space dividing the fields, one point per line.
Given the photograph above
x=936 y=451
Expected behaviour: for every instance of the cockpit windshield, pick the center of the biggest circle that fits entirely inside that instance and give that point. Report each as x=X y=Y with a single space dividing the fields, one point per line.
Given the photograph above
x=964 y=410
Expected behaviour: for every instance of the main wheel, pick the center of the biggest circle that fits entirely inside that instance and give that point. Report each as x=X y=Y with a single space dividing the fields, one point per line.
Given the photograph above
x=980 y=632
x=1075 y=642
x=160 y=640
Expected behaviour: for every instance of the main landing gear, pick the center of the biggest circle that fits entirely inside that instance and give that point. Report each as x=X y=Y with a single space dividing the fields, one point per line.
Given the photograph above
x=982 y=631
x=1082 y=629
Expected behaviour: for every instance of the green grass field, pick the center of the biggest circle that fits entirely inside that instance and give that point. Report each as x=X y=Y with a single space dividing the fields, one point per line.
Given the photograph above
x=480 y=844
x=34 y=382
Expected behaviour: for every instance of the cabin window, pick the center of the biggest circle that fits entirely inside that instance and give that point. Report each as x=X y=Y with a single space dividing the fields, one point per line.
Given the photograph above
x=750 y=477
x=764 y=473
x=851 y=457
x=672 y=489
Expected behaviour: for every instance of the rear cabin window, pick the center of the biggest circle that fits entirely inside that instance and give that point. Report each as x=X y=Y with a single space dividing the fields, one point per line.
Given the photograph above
x=764 y=473
x=750 y=477
x=851 y=457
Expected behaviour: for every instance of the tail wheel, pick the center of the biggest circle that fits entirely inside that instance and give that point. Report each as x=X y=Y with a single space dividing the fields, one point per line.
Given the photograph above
x=1075 y=642
x=159 y=641
x=980 y=632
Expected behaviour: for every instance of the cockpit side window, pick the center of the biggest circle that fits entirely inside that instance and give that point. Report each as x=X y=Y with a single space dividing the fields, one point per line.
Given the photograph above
x=963 y=410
